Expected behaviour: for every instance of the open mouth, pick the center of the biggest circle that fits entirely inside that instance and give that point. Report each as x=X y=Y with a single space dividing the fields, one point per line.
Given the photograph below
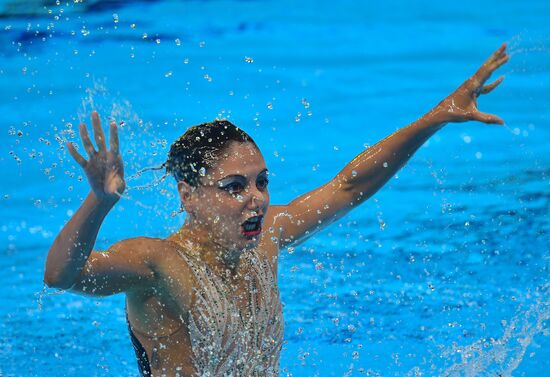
x=252 y=227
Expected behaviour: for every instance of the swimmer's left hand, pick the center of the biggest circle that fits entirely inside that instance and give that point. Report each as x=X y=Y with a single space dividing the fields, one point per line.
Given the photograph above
x=461 y=105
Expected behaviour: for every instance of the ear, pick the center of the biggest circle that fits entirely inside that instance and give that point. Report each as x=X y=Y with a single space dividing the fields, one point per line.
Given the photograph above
x=187 y=194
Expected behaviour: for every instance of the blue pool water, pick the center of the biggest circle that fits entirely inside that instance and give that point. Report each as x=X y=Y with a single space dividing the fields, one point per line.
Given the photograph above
x=443 y=272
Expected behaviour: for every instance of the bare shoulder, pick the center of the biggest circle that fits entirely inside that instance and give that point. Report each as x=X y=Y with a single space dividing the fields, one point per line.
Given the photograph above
x=129 y=266
x=173 y=277
x=159 y=308
x=158 y=253
x=138 y=244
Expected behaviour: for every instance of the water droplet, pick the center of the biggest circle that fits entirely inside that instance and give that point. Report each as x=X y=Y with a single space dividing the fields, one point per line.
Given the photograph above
x=385 y=164
x=291 y=250
x=354 y=173
x=186 y=61
x=178 y=42
x=133 y=26
x=248 y=59
x=202 y=44
x=202 y=171
x=270 y=106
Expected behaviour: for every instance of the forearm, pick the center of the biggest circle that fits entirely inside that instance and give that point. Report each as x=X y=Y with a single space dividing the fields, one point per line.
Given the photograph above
x=74 y=243
x=371 y=169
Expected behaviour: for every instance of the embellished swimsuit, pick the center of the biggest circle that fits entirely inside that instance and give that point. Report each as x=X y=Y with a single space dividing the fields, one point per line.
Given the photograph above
x=225 y=340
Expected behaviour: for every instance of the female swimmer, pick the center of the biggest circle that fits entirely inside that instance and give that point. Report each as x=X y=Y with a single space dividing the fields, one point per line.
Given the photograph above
x=205 y=300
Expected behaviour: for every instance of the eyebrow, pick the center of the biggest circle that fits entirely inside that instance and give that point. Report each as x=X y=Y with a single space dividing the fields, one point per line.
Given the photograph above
x=240 y=175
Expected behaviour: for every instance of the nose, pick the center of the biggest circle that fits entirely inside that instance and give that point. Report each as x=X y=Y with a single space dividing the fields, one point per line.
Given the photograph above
x=257 y=199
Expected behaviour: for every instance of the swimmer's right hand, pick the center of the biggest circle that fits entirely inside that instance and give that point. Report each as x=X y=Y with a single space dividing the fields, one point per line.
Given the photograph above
x=104 y=168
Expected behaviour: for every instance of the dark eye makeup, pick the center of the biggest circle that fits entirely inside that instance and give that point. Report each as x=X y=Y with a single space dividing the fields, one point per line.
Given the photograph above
x=232 y=184
x=237 y=183
x=261 y=182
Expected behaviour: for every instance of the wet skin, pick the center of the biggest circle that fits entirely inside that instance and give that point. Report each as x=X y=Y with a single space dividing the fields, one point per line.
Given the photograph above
x=231 y=192
x=159 y=285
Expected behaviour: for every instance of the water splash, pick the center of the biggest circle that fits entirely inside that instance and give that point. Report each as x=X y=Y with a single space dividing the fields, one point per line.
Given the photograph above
x=133 y=133
x=524 y=43
x=501 y=356
x=46 y=291
x=156 y=181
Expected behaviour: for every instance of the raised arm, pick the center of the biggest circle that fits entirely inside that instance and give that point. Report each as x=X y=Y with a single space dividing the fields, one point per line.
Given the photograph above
x=71 y=263
x=371 y=169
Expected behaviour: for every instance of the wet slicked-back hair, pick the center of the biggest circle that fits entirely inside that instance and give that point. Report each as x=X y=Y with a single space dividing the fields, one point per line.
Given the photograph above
x=198 y=149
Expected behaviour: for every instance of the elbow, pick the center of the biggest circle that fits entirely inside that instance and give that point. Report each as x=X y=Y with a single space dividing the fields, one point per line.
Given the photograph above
x=349 y=189
x=53 y=281
x=358 y=195
x=56 y=275
x=353 y=186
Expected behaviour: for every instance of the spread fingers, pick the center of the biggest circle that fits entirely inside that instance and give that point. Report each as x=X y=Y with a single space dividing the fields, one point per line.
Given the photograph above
x=488 y=88
x=99 y=136
x=88 y=146
x=113 y=137
x=498 y=58
x=77 y=156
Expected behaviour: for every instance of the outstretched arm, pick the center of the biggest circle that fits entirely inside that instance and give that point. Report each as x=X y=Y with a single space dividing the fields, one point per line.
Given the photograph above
x=371 y=169
x=71 y=264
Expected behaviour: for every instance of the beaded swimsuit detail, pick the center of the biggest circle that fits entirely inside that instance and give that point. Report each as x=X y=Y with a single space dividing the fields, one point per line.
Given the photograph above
x=227 y=341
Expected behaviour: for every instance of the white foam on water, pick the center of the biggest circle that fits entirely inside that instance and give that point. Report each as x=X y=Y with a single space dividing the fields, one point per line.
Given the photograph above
x=503 y=355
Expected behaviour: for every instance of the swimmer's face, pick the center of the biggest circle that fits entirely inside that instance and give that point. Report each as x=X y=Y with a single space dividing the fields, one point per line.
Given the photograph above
x=233 y=191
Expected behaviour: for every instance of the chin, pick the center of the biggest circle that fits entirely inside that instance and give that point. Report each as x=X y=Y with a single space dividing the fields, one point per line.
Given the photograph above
x=253 y=242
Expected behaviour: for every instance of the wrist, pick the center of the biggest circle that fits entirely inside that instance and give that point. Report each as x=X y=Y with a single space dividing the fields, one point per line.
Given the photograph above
x=439 y=115
x=102 y=205
x=433 y=120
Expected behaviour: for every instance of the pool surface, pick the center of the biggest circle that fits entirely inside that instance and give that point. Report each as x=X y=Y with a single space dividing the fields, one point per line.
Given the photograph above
x=444 y=272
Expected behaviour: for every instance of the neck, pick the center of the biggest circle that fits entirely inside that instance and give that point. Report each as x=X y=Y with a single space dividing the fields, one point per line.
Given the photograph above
x=199 y=243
